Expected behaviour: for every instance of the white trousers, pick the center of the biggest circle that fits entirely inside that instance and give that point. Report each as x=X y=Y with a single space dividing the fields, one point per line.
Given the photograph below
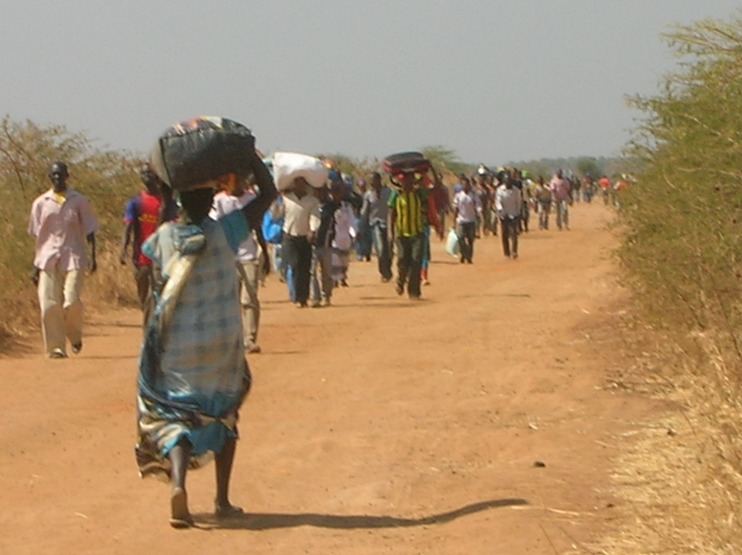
x=61 y=307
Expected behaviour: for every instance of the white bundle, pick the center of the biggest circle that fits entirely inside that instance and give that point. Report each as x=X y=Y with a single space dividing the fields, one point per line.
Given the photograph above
x=287 y=166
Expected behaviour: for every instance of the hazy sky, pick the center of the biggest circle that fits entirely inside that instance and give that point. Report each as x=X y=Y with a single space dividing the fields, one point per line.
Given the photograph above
x=493 y=80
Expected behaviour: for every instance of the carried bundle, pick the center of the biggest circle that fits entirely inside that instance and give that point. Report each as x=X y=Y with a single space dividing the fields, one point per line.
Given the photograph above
x=200 y=150
x=406 y=162
x=287 y=166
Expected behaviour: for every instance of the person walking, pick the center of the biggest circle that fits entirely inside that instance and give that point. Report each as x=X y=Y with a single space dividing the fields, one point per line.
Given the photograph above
x=62 y=221
x=375 y=215
x=561 y=191
x=193 y=375
x=344 y=232
x=301 y=221
x=322 y=283
x=543 y=203
x=142 y=216
x=509 y=205
x=442 y=199
x=467 y=211
x=250 y=261
x=408 y=210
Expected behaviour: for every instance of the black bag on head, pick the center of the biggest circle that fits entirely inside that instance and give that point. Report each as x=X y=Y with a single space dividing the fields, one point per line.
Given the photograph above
x=200 y=150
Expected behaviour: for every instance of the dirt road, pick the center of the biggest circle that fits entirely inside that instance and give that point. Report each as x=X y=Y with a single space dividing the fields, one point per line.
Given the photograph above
x=474 y=421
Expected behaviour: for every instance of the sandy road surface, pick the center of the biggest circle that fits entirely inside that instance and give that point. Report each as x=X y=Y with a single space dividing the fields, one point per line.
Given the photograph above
x=377 y=425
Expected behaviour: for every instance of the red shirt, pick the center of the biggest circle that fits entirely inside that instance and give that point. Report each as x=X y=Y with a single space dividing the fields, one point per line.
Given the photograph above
x=143 y=211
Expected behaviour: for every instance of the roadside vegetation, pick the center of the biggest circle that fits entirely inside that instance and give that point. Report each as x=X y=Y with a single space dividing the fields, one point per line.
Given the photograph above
x=682 y=251
x=106 y=178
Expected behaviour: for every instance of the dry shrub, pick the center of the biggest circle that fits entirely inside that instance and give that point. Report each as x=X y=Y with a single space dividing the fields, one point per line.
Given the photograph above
x=680 y=474
x=108 y=179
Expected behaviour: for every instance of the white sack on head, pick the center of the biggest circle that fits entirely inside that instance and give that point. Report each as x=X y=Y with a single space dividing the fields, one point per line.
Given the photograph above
x=287 y=166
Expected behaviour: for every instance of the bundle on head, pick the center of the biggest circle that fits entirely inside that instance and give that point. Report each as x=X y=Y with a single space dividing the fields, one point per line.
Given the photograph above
x=194 y=152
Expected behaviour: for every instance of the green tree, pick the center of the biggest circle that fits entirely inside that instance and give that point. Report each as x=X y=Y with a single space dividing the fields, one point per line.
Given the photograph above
x=589 y=166
x=445 y=159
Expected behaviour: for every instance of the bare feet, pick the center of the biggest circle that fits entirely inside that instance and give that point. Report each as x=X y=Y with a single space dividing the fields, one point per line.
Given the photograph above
x=180 y=517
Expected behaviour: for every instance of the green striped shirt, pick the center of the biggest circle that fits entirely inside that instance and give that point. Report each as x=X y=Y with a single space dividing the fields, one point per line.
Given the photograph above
x=409 y=209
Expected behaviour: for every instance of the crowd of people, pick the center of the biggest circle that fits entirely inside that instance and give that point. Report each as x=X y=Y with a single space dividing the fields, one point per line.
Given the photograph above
x=307 y=236
x=199 y=263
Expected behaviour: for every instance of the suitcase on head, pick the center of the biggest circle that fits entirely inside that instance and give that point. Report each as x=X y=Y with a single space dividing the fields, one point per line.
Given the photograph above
x=405 y=162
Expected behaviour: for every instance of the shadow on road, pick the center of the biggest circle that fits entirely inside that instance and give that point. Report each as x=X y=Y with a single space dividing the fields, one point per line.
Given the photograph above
x=271 y=521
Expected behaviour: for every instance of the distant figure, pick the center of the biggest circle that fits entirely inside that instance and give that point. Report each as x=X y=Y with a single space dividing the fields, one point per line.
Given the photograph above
x=467 y=211
x=509 y=205
x=605 y=188
x=543 y=202
x=142 y=217
x=344 y=232
x=61 y=220
x=322 y=283
x=408 y=216
x=249 y=262
x=374 y=214
x=561 y=192
x=301 y=221
x=442 y=198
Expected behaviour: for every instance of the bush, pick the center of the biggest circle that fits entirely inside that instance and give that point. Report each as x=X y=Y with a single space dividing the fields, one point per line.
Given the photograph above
x=683 y=249
x=107 y=179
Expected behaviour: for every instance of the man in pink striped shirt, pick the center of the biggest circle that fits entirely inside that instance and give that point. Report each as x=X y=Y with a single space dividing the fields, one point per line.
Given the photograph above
x=561 y=191
x=61 y=220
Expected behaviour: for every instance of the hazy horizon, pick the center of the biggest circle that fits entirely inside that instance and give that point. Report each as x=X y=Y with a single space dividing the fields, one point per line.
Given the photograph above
x=492 y=81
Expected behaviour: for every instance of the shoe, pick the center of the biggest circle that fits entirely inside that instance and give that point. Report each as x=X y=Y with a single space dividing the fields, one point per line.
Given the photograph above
x=414 y=297
x=77 y=347
x=302 y=304
x=326 y=302
x=57 y=353
x=386 y=279
x=316 y=304
x=399 y=289
x=426 y=282
x=515 y=255
x=468 y=261
x=344 y=283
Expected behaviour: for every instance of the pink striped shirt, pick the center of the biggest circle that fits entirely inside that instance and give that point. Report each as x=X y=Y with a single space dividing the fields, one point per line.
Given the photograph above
x=61 y=230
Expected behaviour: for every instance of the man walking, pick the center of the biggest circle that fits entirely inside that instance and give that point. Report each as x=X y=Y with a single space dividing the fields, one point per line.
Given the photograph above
x=407 y=212
x=142 y=216
x=467 y=211
x=301 y=221
x=561 y=191
x=375 y=214
x=250 y=262
x=61 y=220
x=509 y=205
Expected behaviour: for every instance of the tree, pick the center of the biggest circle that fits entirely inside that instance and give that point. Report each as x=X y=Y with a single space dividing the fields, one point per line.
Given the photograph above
x=445 y=159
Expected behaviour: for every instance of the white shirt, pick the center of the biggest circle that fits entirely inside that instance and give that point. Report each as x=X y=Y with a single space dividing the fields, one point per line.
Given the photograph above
x=508 y=202
x=301 y=215
x=467 y=206
x=223 y=204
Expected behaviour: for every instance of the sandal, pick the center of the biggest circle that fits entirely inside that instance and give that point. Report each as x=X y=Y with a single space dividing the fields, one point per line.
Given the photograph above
x=180 y=517
x=229 y=511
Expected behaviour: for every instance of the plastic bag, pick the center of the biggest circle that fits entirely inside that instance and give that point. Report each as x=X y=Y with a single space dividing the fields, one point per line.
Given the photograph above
x=452 y=244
